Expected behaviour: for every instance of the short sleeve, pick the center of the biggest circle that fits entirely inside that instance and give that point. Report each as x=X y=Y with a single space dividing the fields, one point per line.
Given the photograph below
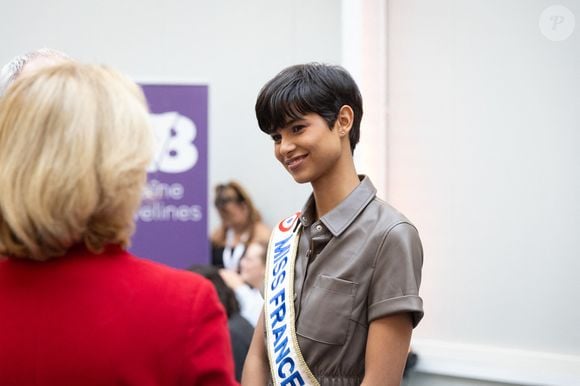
x=396 y=278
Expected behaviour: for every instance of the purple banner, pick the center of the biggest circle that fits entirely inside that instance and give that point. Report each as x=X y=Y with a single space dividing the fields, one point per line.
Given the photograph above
x=172 y=220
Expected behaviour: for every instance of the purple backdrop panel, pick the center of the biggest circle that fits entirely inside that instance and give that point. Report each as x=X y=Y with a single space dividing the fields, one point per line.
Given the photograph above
x=172 y=219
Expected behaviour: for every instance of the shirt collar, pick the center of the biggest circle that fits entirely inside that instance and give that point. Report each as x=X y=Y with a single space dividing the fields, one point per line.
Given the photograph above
x=339 y=218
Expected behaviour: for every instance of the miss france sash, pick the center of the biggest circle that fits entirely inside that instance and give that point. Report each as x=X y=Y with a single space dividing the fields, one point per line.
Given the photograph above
x=286 y=361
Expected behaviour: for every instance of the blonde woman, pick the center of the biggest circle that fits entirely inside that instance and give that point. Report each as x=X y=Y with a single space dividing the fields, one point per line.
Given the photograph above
x=76 y=307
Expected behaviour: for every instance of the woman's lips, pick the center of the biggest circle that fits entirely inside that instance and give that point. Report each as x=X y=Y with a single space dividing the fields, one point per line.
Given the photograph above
x=295 y=162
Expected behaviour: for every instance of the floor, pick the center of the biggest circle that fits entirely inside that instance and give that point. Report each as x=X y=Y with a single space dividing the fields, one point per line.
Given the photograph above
x=422 y=379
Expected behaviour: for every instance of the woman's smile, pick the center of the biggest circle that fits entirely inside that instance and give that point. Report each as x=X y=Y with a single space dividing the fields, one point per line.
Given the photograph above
x=294 y=163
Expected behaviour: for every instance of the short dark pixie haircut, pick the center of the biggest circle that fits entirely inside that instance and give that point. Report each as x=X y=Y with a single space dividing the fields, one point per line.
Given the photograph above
x=309 y=88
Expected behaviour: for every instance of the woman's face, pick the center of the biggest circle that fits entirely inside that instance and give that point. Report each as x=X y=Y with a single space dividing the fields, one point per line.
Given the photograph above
x=252 y=267
x=232 y=212
x=308 y=148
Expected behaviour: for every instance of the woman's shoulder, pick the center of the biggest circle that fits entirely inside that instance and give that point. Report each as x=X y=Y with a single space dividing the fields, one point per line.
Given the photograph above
x=218 y=236
x=148 y=272
x=387 y=215
x=262 y=232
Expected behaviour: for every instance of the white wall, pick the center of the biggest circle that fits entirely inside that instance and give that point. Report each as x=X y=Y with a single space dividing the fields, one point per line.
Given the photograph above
x=484 y=156
x=233 y=46
x=364 y=55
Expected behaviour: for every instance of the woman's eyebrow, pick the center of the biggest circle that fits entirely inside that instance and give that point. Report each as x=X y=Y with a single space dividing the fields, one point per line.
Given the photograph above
x=293 y=121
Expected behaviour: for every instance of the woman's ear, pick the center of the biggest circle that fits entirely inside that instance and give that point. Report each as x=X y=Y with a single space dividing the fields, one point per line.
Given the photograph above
x=344 y=120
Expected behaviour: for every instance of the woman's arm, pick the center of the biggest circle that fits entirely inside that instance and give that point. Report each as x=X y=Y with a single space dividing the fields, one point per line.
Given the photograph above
x=387 y=347
x=256 y=368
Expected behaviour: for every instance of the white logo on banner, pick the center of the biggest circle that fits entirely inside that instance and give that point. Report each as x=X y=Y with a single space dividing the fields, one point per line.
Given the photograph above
x=174 y=148
x=174 y=153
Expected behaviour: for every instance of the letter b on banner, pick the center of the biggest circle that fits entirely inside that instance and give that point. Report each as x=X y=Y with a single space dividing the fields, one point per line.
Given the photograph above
x=174 y=148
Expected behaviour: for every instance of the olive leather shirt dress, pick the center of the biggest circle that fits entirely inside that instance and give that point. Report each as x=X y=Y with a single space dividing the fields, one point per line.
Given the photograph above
x=359 y=262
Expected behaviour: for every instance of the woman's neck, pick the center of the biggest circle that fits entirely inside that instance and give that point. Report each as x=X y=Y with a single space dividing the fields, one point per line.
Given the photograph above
x=240 y=229
x=331 y=189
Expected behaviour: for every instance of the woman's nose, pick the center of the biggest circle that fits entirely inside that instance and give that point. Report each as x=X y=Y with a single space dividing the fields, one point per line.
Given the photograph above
x=286 y=145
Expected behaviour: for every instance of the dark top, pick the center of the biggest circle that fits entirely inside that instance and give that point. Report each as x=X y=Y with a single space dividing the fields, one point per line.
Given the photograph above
x=217 y=253
x=241 y=332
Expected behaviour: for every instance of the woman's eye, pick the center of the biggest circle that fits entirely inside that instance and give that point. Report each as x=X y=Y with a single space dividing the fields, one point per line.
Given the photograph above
x=276 y=138
x=297 y=128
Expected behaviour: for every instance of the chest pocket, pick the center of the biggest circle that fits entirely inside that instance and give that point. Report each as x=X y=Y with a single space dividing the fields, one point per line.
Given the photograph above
x=326 y=311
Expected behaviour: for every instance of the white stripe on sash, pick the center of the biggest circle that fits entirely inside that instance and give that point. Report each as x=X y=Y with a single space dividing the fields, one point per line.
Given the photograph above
x=286 y=362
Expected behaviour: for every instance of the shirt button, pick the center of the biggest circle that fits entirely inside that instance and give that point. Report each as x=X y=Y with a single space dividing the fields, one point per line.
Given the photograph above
x=318 y=228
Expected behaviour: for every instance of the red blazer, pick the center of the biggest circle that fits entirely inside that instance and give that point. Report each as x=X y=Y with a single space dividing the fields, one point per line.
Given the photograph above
x=110 y=319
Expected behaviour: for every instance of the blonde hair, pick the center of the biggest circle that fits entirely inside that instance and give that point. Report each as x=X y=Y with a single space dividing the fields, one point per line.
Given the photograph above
x=75 y=141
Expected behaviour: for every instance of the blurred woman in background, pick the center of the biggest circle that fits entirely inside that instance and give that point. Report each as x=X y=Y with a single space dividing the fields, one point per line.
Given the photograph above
x=76 y=307
x=248 y=285
x=241 y=224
